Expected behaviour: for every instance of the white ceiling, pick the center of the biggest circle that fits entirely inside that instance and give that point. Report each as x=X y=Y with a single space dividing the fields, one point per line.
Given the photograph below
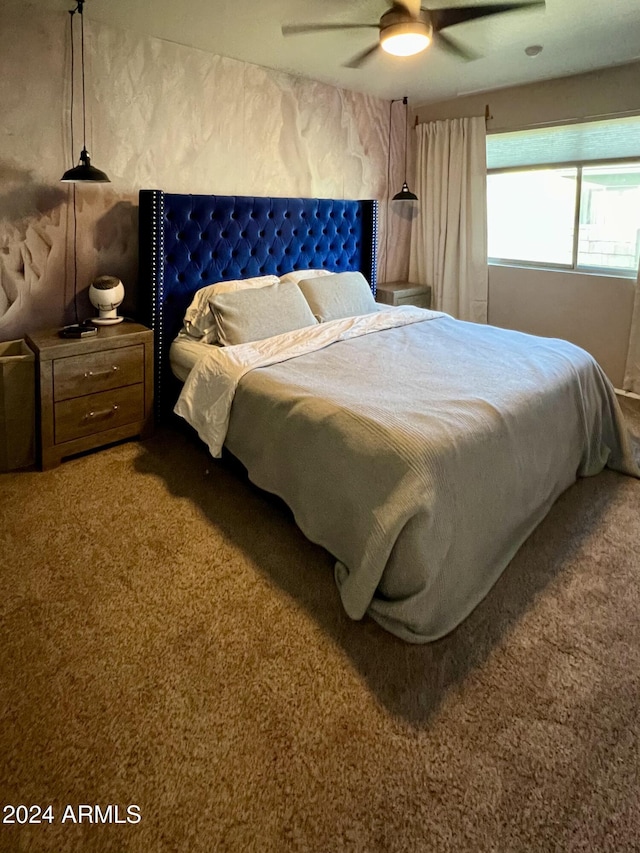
x=577 y=36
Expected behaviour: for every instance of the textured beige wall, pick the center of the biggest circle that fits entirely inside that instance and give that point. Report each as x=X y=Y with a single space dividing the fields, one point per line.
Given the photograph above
x=160 y=115
x=589 y=310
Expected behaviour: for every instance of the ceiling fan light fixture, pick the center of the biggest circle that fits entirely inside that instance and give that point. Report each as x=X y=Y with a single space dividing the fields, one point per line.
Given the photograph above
x=405 y=38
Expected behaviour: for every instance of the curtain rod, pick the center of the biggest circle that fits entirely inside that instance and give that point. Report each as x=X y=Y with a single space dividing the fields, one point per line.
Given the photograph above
x=558 y=122
x=487 y=117
x=564 y=121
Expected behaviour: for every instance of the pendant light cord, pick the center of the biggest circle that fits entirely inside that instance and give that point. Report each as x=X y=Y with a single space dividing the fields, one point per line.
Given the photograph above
x=386 y=227
x=84 y=105
x=75 y=257
x=387 y=224
x=75 y=213
x=71 y=14
x=405 y=101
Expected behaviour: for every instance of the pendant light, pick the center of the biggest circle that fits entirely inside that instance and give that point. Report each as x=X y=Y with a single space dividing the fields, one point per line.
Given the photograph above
x=84 y=171
x=405 y=193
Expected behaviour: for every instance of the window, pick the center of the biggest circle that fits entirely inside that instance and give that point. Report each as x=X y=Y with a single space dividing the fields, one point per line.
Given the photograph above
x=566 y=196
x=609 y=232
x=531 y=215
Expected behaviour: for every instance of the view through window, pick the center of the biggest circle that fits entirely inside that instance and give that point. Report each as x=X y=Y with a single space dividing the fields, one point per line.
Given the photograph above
x=532 y=216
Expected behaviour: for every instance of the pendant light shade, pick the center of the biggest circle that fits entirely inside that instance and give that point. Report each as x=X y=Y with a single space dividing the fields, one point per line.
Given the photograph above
x=84 y=171
x=405 y=193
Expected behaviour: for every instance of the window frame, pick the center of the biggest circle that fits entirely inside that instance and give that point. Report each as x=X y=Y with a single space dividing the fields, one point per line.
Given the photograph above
x=613 y=272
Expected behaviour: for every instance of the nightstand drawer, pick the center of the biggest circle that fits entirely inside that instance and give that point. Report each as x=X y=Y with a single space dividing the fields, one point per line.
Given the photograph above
x=95 y=413
x=80 y=375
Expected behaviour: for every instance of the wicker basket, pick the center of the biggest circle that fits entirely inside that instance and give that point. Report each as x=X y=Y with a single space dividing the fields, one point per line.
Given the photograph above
x=17 y=405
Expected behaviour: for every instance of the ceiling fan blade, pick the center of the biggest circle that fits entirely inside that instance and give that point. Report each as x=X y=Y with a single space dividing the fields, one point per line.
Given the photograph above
x=412 y=6
x=442 y=18
x=297 y=29
x=360 y=58
x=443 y=41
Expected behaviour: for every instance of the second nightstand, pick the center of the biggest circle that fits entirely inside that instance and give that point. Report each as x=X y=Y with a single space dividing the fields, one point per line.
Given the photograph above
x=404 y=293
x=92 y=391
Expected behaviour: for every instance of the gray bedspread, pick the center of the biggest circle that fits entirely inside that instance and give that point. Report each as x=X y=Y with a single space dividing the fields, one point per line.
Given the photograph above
x=423 y=456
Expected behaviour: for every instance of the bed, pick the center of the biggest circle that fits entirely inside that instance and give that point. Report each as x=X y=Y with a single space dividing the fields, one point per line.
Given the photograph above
x=419 y=450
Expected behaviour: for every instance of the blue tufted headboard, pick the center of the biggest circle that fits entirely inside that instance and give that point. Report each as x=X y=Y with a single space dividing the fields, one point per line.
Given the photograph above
x=189 y=241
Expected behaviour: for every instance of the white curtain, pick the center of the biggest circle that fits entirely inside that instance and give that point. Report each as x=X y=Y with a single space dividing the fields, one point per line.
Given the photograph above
x=449 y=236
x=632 y=370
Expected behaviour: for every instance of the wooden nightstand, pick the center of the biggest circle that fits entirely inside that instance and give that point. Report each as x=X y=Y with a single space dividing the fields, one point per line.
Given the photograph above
x=92 y=391
x=404 y=293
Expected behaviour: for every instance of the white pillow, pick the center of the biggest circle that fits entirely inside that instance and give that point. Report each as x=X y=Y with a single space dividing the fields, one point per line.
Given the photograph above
x=344 y=294
x=198 y=320
x=260 y=312
x=297 y=275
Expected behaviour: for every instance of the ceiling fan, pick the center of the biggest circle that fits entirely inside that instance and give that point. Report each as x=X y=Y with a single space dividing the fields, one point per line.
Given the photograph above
x=408 y=28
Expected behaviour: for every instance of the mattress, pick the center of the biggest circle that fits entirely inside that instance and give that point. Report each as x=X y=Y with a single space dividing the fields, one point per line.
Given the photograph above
x=184 y=354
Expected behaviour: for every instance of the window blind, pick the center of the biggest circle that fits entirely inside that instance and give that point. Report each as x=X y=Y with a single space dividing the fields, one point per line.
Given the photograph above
x=613 y=139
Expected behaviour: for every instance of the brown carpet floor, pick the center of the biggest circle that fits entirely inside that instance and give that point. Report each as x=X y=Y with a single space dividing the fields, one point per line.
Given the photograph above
x=170 y=640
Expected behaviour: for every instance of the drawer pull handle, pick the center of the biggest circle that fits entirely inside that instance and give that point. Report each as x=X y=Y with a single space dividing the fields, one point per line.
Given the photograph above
x=102 y=413
x=89 y=374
